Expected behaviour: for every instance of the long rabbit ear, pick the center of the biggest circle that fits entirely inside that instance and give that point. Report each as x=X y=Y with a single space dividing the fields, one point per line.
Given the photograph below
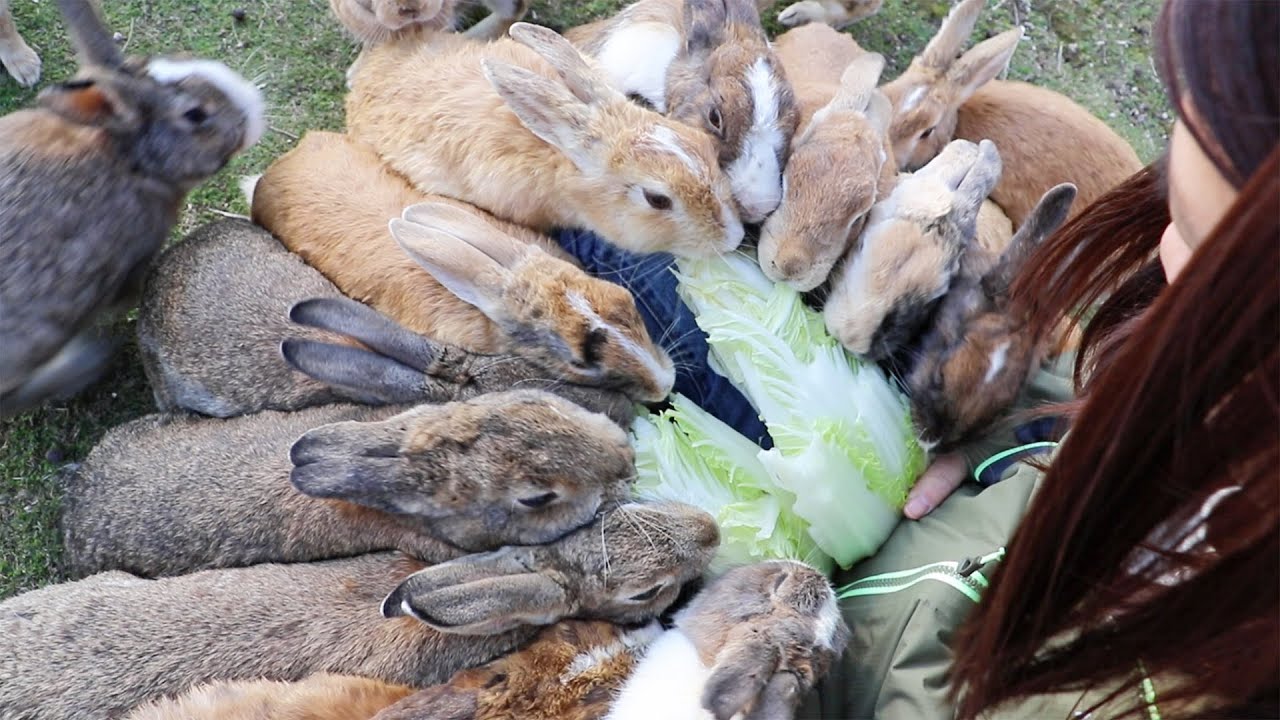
x=481 y=594
x=464 y=270
x=743 y=667
x=952 y=34
x=369 y=327
x=1044 y=219
x=362 y=375
x=586 y=84
x=858 y=83
x=469 y=227
x=548 y=110
x=704 y=24
x=94 y=44
x=977 y=184
x=879 y=112
x=743 y=12
x=982 y=64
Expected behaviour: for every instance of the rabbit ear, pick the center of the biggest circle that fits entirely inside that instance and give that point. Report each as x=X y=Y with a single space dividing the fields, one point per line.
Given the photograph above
x=365 y=376
x=470 y=228
x=92 y=101
x=548 y=110
x=475 y=277
x=582 y=80
x=982 y=64
x=369 y=327
x=483 y=594
x=704 y=24
x=1044 y=219
x=952 y=34
x=743 y=667
x=779 y=698
x=858 y=83
x=978 y=182
x=743 y=12
x=879 y=112
x=94 y=44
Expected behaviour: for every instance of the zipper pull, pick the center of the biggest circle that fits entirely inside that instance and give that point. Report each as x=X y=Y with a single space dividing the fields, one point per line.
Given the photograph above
x=972 y=564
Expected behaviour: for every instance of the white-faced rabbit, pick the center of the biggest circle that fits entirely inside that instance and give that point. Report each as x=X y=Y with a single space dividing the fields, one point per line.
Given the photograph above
x=1045 y=138
x=19 y=60
x=525 y=128
x=839 y=165
x=219 y=304
x=887 y=287
x=101 y=646
x=164 y=495
x=91 y=180
x=451 y=271
x=974 y=360
x=748 y=645
x=707 y=63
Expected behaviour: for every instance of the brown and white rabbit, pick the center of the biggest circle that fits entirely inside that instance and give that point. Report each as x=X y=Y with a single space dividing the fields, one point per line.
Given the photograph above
x=750 y=644
x=835 y=13
x=887 y=287
x=165 y=495
x=707 y=63
x=1044 y=137
x=464 y=278
x=526 y=129
x=974 y=360
x=104 y=645
x=19 y=60
x=839 y=165
x=91 y=180
x=219 y=304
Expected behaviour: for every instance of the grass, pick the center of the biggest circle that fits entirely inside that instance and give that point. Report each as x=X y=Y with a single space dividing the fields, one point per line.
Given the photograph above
x=1095 y=51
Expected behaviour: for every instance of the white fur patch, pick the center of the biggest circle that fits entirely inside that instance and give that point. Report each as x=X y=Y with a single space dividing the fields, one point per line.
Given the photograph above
x=996 y=363
x=828 y=619
x=665 y=376
x=635 y=60
x=756 y=174
x=666 y=140
x=629 y=641
x=243 y=94
x=247 y=184
x=913 y=99
x=666 y=684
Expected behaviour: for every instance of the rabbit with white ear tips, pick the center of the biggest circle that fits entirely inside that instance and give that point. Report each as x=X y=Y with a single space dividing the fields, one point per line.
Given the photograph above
x=167 y=495
x=890 y=282
x=101 y=646
x=975 y=359
x=90 y=183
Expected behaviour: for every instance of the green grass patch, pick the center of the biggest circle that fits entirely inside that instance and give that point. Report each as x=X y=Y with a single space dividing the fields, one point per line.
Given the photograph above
x=1096 y=51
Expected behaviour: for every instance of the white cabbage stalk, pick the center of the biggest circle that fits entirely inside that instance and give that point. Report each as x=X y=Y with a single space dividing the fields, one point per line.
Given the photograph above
x=845 y=452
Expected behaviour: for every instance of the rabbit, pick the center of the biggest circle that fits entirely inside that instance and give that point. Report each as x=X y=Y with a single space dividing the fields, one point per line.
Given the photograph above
x=974 y=360
x=525 y=129
x=224 y=358
x=101 y=646
x=889 y=284
x=164 y=495
x=373 y=22
x=752 y=642
x=1044 y=137
x=19 y=60
x=834 y=13
x=323 y=696
x=707 y=63
x=839 y=164
x=470 y=281
x=91 y=180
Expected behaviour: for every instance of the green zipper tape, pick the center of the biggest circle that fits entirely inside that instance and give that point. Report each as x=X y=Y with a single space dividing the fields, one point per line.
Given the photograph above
x=1149 y=693
x=947 y=572
x=977 y=472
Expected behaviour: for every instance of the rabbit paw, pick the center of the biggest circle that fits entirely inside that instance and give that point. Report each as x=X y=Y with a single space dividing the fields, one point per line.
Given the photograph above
x=21 y=61
x=802 y=13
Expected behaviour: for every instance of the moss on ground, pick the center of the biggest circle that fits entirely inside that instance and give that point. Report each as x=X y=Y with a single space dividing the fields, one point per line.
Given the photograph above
x=1095 y=51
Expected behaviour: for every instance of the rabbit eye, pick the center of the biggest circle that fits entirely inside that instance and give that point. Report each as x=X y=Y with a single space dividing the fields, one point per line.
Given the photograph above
x=647 y=595
x=538 y=501
x=657 y=201
x=195 y=115
x=925 y=135
x=714 y=119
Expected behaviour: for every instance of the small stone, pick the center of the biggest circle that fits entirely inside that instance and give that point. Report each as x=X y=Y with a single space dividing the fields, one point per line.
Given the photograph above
x=238 y=14
x=118 y=37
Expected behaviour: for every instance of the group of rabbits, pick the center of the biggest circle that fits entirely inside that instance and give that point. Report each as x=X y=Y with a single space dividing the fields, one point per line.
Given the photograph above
x=390 y=475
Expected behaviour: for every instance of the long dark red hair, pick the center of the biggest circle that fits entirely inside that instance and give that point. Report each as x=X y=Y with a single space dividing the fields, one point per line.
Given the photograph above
x=1179 y=390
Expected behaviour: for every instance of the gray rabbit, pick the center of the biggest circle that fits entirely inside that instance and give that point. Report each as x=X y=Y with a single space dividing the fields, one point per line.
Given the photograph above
x=91 y=181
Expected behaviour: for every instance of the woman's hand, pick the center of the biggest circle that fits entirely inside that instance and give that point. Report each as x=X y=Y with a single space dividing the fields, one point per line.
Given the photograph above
x=936 y=483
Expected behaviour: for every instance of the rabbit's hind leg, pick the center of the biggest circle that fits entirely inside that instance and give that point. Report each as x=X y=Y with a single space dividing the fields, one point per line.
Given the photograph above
x=17 y=56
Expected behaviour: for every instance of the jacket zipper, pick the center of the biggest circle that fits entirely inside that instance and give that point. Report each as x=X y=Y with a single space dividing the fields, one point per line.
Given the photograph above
x=964 y=575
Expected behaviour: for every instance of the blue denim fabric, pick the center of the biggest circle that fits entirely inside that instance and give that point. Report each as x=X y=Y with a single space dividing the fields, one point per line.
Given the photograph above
x=670 y=323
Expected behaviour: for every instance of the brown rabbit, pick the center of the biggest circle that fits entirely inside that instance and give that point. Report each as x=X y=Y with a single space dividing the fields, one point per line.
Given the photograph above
x=751 y=642
x=839 y=165
x=836 y=13
x=104 y=645
x=525 y=128
x=885 y=291
x=1044 y=137
x=707 y=63
x=91 y=180
x=454 y=274
x=319 y=697
x=973 y=362
x=223 y=358
x=167 y=495
x=373 y=22
x=19 y=60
